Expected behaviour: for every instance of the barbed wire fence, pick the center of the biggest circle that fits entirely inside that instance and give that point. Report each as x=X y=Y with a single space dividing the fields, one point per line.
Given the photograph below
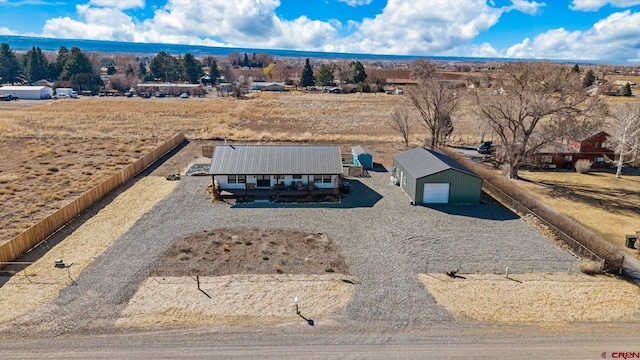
x=499 y=266
x=21 y=272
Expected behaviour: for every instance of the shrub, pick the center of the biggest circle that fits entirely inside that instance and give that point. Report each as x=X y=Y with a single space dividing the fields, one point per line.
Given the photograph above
x=583 y=166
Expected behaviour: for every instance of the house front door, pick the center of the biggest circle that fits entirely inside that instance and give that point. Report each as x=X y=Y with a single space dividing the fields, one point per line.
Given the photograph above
x=263 y=181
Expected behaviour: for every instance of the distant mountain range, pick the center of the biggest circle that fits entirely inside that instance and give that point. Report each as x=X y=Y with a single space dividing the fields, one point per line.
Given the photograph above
x=24 y=43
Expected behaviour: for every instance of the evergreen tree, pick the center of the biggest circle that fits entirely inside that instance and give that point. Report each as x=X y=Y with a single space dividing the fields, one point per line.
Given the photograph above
x=324 y=76
x=142 y=70
x=307 y=78
x=192 y=68
x=56 y=66
x=626 y=90
x=85 y=81
x=576 y=68
x=245 y=61
x=36 y=66
x=214 y=72
x=589 y=79
x=77 y=63
x=111 y=69
x=165 y=67
x=358 y=74
x=10 y=70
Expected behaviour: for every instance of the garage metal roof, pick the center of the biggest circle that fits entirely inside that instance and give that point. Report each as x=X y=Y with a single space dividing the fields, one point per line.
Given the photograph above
x=276 y=159
x=421 y=162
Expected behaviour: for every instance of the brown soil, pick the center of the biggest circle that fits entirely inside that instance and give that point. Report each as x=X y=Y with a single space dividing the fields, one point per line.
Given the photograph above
x=252 y=251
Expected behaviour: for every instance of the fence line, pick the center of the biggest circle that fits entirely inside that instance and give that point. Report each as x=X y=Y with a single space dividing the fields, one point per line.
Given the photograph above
x=26 y=240
x=579 y=249
x=498 y=266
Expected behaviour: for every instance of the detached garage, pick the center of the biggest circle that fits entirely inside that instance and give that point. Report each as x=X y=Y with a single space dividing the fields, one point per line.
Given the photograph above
x=429 y=177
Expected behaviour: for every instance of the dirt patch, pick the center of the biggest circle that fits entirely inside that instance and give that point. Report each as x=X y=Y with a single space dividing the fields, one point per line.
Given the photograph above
x=535 y=298
x=237 y=300
x=252 y=251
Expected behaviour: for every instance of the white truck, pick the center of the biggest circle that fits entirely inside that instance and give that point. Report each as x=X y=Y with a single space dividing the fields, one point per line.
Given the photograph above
x=62 y=93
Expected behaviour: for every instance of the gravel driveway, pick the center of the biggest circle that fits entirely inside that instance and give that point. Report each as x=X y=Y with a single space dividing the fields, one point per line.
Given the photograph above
x=385 y=240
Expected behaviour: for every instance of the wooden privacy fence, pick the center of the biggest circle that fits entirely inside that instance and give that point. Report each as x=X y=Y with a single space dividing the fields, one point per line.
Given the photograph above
x=26 y=240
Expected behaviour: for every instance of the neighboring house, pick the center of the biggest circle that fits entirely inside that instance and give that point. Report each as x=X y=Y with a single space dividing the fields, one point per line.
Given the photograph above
x=268 y=171
x=361 y=155
x=429 y=177
x=566 y=151
x=27 y=92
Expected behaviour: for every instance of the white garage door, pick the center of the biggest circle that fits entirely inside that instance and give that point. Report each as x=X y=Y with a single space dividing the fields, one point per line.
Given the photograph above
x=436 y=194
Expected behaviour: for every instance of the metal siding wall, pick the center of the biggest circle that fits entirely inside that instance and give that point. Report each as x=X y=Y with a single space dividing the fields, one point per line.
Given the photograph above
x=465 y=189
x=410 y=189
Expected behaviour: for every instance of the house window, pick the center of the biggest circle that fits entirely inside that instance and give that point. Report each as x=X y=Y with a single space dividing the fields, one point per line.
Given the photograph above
x=568 y=158
x=546 y=159
x=595 y=145
x=322 y=179
x=599 y=161
x=263 y=180
x=237 y=179
x=297 y=177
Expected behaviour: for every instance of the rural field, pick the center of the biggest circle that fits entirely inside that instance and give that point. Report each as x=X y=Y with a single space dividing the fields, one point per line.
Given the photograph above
x=373 y=273
x=56 y=150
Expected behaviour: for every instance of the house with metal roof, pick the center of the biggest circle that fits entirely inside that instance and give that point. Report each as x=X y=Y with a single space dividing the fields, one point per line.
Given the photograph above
x=273 y=171
x=430 y=177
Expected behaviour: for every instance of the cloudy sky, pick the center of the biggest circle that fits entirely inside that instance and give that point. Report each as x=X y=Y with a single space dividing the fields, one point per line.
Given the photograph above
x=552 y=29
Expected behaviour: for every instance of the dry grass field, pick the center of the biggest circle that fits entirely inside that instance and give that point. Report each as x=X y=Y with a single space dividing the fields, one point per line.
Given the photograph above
x=598 y=200
x=56 y=150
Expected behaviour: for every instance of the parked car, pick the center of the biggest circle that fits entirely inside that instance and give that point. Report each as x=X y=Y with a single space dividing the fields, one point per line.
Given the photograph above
x=184 y=95
x=485 y=147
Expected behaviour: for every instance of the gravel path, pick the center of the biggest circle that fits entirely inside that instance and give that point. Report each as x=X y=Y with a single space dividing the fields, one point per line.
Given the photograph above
x=385 y=240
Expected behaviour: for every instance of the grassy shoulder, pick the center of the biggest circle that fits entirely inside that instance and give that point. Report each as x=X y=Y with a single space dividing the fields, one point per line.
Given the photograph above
x=535 y=298
x=22 y=295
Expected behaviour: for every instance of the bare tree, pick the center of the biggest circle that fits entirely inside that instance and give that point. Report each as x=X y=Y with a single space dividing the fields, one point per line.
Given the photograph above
x=625 y=133
x=436 y=100
x=531 y=104
x=422 y=69
x=400 y=121
x=341 y=71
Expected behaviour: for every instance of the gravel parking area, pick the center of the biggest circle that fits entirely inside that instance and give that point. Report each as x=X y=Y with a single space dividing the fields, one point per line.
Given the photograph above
x=386 y=242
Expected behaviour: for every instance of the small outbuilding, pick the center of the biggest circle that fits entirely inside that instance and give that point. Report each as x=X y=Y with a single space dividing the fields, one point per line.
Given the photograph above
x=362 y=156
x=430 y=177
x=27 y=92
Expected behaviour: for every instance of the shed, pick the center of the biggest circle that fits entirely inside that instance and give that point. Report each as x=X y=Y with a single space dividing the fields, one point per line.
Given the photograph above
x=27 y=92
x=430 y=177
x=360 y=154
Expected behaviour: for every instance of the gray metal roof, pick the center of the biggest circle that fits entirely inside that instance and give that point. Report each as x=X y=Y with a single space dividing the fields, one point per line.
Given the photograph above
x=276 y=159
x=421 y=162
x=360 y=149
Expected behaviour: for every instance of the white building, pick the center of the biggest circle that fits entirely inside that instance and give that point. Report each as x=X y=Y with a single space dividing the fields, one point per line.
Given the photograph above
x=27 y=92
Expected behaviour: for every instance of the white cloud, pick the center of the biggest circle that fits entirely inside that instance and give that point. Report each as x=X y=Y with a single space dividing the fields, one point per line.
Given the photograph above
x=420 y=27
x=6 y=31
x=98 y=24
x=595 y=5
x=434 y=27
x=614 y=38
x=118 y=4
x=525 y=6
x=355 y=3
